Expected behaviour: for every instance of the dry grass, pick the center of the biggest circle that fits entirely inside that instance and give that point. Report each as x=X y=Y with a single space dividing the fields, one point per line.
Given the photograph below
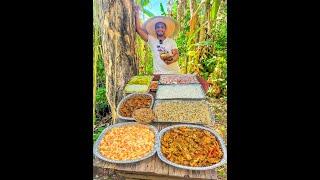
x=219 y=107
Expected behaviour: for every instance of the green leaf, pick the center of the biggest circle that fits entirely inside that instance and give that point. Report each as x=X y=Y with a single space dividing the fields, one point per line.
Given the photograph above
x=214 y=9
x=147 y=12
x=100 y=129
x=191 y=53
x=163 y=12
x=204 y=43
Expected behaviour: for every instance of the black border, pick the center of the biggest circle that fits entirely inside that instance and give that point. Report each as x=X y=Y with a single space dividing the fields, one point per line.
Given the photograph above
x=49 y=130
x=50 y=91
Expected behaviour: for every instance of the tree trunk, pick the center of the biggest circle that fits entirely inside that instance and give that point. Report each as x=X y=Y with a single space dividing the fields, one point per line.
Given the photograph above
x=95 y=57
x=181 y=11
x=213 y=18
x=118 y=39
x=145 y=57
x=169 y=7
x=203 y=31
x=193 y=25
x=194 y=17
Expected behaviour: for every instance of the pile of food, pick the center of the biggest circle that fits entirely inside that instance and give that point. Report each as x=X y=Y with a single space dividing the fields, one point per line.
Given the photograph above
x=143 y=115
x=182 y=111
x=178 y=79
x=127 y=142
x=142 y=80
x=165 y=55
x=134 y=88
x=136 y=102
x=154 y=86
x=138 y=84
x=191 y=147
x=183 y=91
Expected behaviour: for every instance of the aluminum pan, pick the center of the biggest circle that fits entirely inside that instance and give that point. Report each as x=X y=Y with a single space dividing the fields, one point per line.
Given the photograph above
x=97 y=143
x=147 y=77
x=128 y=97
x=146 y=91
x=163 y=85
x=180 y=75
x=161 y=121
x=164 y=159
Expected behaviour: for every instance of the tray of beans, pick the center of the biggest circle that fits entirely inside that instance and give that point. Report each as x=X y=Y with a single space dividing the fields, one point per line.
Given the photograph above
x=183 y=111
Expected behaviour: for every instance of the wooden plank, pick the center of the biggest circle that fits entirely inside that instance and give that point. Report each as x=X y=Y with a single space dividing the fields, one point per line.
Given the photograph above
x=146 y=165
x=195 y=173
x=97 y=162
x=154 y=166
x=153 y=177
x=161 y=167
x=173 y=171
x=211 y=174
x=109 y=165
x=125 y=167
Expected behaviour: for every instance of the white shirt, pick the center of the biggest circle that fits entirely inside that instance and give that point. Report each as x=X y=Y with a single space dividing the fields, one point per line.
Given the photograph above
x=159 y=66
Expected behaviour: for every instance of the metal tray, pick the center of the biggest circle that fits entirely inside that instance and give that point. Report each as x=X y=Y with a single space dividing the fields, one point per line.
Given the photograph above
x=128 y=97
x=96 y=151
x=133 y=79
x=161 y=121
x=179 y=75
x=160 y=86
x=128 y=92
x=219 y=139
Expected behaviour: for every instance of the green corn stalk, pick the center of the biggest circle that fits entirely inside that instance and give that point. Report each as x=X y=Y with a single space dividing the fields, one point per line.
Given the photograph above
x=96 y=55
x=147 y=12
x=214 y=10
x=163 y=12
x=94 y=65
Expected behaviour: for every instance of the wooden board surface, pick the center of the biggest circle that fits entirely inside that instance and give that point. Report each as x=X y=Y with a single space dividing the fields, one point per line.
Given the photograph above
x=153 y=167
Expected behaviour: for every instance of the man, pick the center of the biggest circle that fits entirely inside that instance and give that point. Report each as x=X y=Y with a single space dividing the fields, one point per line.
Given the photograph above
x=158 y=33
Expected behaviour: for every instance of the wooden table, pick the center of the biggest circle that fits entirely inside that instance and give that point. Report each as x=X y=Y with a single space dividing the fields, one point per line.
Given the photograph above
x=153 y=167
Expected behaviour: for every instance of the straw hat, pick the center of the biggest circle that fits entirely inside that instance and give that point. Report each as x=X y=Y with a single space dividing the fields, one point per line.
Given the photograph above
x=171 y=30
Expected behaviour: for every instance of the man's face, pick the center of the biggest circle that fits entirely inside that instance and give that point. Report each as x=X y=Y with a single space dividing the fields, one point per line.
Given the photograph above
x=160 y=28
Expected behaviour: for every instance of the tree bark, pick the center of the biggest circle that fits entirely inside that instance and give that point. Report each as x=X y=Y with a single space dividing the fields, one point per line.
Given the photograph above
x=203 y=31
x=118 y=39
x=194 y=17
x=181 y=11
x=169 y=7
x=193 y=25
